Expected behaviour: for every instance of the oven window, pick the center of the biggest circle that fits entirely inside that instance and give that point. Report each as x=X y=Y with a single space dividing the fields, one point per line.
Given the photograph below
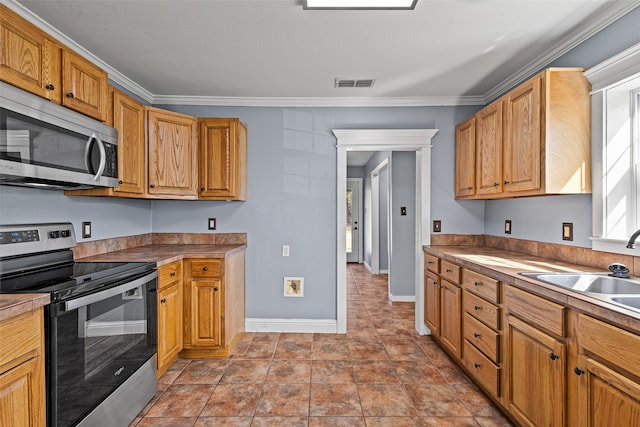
x=97 y=347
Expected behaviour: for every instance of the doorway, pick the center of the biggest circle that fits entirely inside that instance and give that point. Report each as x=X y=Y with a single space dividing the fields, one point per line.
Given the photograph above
x=380 y=229
x=418 y=140
x=354 y=236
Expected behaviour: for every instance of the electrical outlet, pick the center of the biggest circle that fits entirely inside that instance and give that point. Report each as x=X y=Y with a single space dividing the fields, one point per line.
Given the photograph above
x=437 y=226
x=294 y=286
x=507 y=226
x=86 y=229
x=285 y=250
x=567 y=231
x=403 y=210
x=212 y=223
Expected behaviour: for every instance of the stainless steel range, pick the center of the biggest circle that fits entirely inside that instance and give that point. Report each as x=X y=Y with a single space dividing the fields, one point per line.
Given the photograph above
x=100 y=327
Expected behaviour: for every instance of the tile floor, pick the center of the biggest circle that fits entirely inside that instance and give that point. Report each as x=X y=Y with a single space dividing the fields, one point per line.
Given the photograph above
x=379 y=374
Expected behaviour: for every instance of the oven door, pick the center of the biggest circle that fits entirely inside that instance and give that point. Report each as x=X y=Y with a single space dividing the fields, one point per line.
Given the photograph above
x=96 y=342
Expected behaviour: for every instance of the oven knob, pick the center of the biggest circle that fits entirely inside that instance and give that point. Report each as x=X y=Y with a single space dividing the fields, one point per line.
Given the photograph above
x=54 y=234
x=65 y=233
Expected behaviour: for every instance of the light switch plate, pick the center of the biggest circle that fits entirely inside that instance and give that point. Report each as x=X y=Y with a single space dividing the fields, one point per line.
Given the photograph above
x=507 y=226
x=86 y=229
x=285 y=250
x=567 y=231
x=212 y=223
x=437 y=226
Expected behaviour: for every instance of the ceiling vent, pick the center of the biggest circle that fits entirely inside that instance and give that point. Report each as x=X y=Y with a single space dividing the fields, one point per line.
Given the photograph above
x=354 y=83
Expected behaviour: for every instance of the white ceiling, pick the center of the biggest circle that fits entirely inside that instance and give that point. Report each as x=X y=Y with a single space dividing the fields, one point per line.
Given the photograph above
x=272 y=52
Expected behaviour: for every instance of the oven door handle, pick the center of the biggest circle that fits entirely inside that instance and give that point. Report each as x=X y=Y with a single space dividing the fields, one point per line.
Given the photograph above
x=101 y=295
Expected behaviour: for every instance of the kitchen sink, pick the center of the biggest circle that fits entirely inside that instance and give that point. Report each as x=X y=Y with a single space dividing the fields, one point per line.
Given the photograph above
x=622 y=291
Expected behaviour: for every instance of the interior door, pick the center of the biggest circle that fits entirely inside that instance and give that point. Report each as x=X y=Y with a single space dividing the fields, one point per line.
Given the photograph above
x=353 y=220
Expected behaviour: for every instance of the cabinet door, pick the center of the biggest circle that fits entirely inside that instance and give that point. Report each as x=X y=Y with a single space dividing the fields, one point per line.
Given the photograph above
x=450 y=316
x=223 y=153
x=28 y=58
x=85 y=87
x=169 y=324
x=465 y=179
x=205 y=313
x=606 y=397
x=128 y=119
x=522 y=139
x=432 y=303
x=172 y=153
x=536 y=390
x=22 y=395
x=489 y=149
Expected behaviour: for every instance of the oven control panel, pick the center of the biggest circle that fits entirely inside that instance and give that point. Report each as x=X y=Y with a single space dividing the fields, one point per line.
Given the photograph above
x=32 y=238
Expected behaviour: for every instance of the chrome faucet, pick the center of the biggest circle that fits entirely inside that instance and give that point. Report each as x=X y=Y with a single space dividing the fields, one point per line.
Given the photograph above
x=632 y=240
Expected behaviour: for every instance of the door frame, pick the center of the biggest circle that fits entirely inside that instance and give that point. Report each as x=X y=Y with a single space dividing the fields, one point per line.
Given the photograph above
x=418 y=140
x=360 y=233
x=375 y=216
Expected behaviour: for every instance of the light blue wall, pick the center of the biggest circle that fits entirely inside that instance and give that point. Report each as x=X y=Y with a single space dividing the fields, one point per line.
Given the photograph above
x=355 y=171
x=403 y=234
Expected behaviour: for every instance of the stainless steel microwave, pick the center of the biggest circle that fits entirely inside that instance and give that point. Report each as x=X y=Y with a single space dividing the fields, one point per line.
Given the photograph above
x=45 y=145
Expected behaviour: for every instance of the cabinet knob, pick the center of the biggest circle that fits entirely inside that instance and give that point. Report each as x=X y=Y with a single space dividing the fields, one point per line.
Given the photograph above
x=215 y=289
x=205 y=268
x=440 y=286
x=119 y=182
x=71 y=95
x=448 y=270
x=476 y=335
x=173 y=274
x=469 y=188
x=50 y=87
x=201 y=188
x=476 y=365
x=152 y=186
x=163 y=300
x=495 y=184
x=553 y=356
x=476 y=307
x=476 y=283
x=578 y=371
x=506 y=182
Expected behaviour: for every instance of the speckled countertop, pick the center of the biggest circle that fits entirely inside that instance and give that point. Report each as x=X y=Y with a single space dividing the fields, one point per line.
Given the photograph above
x=16 y=304
x=506 y=265
x=166 y=253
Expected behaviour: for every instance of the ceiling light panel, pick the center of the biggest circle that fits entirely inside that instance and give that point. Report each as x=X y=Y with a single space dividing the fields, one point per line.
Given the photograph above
x=360 y=4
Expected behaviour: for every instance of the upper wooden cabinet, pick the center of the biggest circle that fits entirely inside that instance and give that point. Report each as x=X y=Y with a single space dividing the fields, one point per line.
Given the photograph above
x=534 y=140
x=172 y=154
x=33 y=61
x=223 y=159
x=466 y=158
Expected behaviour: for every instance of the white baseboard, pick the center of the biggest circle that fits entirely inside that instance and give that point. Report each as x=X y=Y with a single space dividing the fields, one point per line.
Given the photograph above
x=324 y=326
x=402 y=298
x=383 y=272
x=368 y=267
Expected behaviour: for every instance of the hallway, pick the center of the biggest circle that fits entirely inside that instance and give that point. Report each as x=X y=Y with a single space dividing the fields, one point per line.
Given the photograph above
x=379 y=374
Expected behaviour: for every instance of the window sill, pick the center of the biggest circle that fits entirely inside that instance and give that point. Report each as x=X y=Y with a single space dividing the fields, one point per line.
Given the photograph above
x=614 y=246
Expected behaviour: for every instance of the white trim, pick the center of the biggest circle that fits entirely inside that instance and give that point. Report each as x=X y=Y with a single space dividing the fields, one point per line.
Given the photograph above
x=611 y=71
x=418 y=140
x=383 y=271
x=96 y=328
x=375 y=215
x=318 y=326
x=368 y=267
x=614 y=246
x=402 y=298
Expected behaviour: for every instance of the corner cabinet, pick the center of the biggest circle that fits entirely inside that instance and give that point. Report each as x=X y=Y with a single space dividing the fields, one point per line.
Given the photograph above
x=214 y=305
x=535 y=140
x=223 y=159
x=22 y=378
x=465 y=174
x=170 y=315
x=172 y=154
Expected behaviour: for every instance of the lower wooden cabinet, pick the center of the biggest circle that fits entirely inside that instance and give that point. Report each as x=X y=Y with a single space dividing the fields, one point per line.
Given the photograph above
x=22 y=380
x=450 y=314
x=170 y=315
x=214 y=309
x=432 y=302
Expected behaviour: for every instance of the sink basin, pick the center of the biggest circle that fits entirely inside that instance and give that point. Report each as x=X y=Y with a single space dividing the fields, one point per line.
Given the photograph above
x=628 y=301
x=598 y=283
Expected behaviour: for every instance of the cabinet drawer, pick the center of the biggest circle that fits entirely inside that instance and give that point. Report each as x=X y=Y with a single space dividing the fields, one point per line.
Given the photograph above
x=169 y=274
x=536 y=310
x=205 y=268
x=482 y=310
x=432 y=263
x=610 y=343
x=482 y=285
x=20 y=339
x=450 y=271
x=482 y=368
x=482 y=337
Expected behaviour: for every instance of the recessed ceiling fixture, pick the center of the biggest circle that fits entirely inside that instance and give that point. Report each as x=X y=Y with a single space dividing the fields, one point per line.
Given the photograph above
x=360 y=4
x=354 y=82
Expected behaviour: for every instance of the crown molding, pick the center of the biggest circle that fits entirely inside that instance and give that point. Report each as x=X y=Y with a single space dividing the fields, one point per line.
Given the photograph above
x=417 y=101
x=613 y=70
x=591 y=26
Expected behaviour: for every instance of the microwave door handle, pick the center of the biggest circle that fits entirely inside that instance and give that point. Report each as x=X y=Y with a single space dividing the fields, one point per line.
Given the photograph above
x=107 y=293
x=103 y=157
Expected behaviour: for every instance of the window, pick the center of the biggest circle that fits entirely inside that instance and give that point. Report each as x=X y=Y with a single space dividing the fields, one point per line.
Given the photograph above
x=616 y=150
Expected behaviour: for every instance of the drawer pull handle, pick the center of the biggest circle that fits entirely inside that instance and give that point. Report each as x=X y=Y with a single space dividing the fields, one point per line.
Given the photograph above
x=506 y=182
x=476 y=335
x=163 y=300
x=215 y=289
x=429 y=262
x=476 y=283
x=553 y=356
x=495 y=184
x=205 y=268
x=578 y=371
x=476 y=307
x=476 y=365
x=173 y=274
x=448 y=270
